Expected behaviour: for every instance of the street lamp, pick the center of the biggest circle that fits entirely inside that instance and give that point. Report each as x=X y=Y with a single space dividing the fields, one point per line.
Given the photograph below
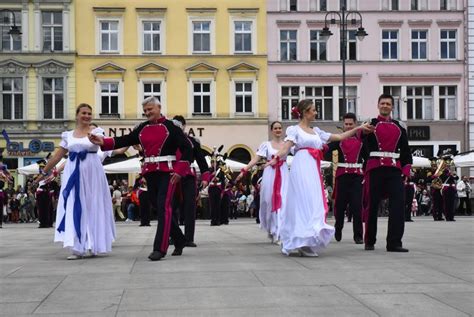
x=343 y=18
x=14 y=29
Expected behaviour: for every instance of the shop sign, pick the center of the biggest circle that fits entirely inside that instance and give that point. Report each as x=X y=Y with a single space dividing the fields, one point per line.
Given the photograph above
x=116 y=132
x=418 y=133
x=34 y=146
x=422 y=150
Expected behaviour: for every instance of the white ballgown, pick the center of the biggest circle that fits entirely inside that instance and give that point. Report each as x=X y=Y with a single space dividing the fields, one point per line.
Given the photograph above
x=269 y=218
x=303 y=216
x=97 y=226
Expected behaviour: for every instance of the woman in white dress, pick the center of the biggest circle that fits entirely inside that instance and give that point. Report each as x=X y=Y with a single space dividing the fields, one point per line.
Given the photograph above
x=303 y=216
x=274 y=182
x=84 y=219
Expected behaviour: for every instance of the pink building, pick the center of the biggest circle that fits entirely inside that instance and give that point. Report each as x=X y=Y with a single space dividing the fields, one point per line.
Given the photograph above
x=414 y=50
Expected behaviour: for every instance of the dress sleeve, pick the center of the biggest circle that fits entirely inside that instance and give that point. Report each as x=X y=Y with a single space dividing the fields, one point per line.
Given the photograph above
x=63 y=142
x=322 y=134
x=262 y=149
x=291 y=134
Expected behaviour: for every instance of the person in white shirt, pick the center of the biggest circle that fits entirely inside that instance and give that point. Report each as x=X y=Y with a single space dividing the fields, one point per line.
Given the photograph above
x=463 y=188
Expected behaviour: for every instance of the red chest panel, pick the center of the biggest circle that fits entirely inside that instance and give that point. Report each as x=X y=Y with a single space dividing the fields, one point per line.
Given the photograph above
x=350 y=149
x=387 y=134
x=152 y=138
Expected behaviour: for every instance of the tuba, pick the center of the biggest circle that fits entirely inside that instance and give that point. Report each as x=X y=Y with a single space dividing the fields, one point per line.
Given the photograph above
x=437 y=183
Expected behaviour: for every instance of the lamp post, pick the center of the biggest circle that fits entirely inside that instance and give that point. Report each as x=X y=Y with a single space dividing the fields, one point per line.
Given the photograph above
x=343 y=18
x=14 y=29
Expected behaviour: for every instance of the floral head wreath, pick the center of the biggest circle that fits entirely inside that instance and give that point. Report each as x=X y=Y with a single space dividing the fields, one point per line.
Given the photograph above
x=295 y=113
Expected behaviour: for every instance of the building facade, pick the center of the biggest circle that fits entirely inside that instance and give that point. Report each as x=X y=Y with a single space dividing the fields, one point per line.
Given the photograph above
x=37 y=74
x=414 y=50
x=205 y=60
x=470 y=77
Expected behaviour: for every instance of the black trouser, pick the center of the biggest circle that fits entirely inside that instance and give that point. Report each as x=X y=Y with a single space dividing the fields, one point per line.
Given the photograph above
x=437 y=209
x=409 y=194
x=233 y=210
x=349 y=196
x=188 y=207
x=43 y=202
x=161 y=193
x=386 y=180
x=225 y=206
x=144 y=208
x=449 y=200
x=465 y=201
x=215 y=204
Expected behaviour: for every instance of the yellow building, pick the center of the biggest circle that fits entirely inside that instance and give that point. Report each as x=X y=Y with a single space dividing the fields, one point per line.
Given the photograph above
x=37 y=75
x=205 y=60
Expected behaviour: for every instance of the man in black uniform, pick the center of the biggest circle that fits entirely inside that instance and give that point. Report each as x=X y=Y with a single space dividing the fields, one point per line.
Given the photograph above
x=449 y=191
x=160 y=138
x=216 y=186
x=349 y=175
x=189 y=185
x=389 y=158
x=436 y=185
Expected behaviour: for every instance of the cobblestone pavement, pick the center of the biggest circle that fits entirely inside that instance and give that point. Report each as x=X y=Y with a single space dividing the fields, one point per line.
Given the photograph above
x=236 y=271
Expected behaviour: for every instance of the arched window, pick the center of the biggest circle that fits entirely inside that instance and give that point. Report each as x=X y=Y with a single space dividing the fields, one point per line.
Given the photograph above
x=240 y=155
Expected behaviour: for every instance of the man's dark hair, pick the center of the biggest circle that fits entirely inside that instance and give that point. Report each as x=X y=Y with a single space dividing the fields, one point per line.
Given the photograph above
x=350 y=115
x=386 y=96
x=180 y=119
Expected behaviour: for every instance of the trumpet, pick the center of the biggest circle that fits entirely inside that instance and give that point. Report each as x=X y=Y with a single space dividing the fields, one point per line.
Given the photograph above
x=437 y=183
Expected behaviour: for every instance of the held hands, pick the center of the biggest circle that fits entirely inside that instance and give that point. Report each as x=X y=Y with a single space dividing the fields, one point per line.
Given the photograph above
x=367 y=128
x=272 y=162
x=95 y=139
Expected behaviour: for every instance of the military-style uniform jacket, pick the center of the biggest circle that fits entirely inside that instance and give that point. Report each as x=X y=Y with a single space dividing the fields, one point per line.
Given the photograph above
x=351 y=154
x=449 y=180
x=159 y=139
x=388 y=146
x=198 y=156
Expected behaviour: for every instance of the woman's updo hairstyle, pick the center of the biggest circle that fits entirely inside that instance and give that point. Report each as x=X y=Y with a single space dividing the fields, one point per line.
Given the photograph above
x=302 y=106
x=82 y=105
x=273 y=124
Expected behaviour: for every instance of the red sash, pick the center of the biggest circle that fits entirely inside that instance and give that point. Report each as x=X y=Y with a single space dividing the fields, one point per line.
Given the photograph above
x=276 y=196
x=317 y=154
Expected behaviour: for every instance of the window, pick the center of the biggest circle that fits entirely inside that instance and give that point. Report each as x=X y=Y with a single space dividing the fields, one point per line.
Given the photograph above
x=419 y=5
x=448 y=44
x=350 y=4
x=351 y=101
x=293 y=5
x=243 y=97
x=389 y=44
x=351 y=52
x=396 y=92
x=447 y=102
x=53 y=98
x=52 y=30
x=152 y=89
x=109 y=36
x=418 y=44
x=318 y=47
x=243 y=36
x=290 y=95
x=201 y=36
x=202 y=98
x=420 y=103
x=318 y=5
x=9 y=42
x=12 y=98
x=390 y=5
x=151 y=36
x=322 y=99
x=109 y=97
x=288 y=45
x=447 y=5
